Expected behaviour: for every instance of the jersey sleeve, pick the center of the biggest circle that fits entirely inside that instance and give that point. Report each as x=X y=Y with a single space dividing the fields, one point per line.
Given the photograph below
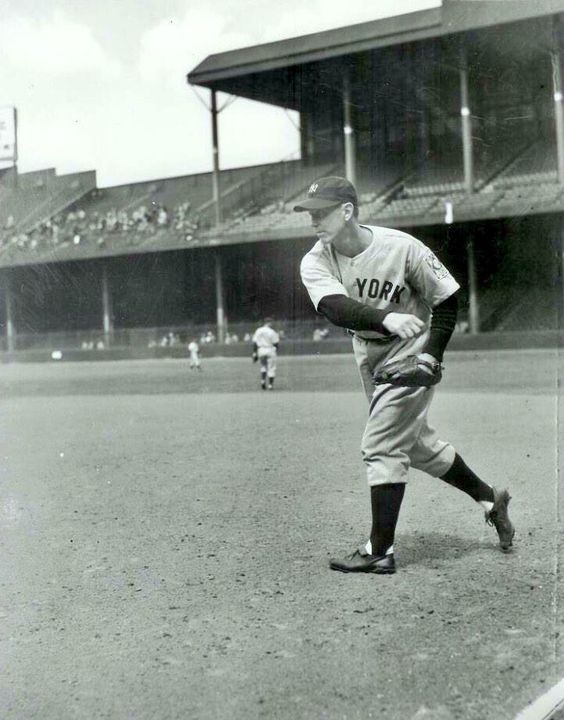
x=319 y=279
x=429 y=276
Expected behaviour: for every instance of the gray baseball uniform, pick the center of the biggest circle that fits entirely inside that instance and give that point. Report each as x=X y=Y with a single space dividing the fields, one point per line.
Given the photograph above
x=396 y=272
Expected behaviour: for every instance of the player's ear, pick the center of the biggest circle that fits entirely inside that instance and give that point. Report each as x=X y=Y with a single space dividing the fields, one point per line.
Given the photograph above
x=348 y=211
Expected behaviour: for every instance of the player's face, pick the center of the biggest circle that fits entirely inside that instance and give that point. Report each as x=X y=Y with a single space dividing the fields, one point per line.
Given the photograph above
x=328 y=223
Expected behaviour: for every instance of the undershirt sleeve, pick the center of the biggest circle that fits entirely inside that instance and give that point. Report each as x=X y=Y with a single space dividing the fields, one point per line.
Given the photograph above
x=345 y=312
x=443 y=322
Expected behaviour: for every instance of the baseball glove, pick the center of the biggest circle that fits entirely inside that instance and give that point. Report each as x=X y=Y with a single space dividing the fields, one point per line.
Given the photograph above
x=411 y=371
x=255 y=357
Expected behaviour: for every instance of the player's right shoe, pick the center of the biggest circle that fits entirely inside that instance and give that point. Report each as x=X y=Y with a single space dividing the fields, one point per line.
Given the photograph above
x=498 y=516
x=361 y=561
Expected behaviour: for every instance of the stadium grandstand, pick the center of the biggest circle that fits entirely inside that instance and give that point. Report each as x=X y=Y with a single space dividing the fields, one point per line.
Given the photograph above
x=450 y=121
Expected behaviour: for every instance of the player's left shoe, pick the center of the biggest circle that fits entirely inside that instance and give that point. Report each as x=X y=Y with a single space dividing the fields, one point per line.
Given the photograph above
x=498 y=516
x=361 y=561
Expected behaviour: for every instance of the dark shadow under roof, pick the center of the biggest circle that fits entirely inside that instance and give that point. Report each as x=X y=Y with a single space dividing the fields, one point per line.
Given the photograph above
x=232 y=71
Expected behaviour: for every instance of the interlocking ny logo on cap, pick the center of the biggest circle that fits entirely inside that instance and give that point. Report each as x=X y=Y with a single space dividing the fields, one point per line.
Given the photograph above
x=313 y=187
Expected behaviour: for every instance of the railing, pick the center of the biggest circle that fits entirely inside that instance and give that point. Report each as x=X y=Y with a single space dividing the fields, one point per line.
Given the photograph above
x=155 y=336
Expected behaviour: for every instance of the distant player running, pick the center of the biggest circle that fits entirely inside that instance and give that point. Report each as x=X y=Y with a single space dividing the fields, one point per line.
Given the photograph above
x=401 y=303
x=194 y=350
x=265 y=349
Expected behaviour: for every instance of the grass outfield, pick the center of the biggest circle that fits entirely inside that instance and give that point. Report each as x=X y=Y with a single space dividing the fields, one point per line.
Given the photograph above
x=165 y=536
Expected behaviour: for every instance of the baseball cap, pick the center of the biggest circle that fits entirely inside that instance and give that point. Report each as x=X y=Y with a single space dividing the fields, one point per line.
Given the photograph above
x=326 y=192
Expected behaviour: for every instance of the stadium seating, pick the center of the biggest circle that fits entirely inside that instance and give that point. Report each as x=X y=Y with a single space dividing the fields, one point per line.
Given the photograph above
x=537 y=164
x=272 y=204
x=44 y=212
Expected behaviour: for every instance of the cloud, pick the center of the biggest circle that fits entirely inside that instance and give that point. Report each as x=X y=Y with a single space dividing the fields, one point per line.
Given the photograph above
x=57 y=46
x=171 y=48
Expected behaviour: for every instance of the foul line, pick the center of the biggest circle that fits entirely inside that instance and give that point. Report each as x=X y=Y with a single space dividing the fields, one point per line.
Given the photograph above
x=546 y=705
x=543 y=707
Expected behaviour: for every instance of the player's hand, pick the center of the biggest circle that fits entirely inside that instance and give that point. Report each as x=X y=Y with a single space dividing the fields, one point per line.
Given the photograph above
x=255 y=357
x=403 y=325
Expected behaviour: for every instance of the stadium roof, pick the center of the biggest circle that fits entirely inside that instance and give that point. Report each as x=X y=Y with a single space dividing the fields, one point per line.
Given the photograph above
x=263 y=72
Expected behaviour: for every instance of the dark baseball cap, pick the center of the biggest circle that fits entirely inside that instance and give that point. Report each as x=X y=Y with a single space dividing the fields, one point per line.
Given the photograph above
x=327 y=192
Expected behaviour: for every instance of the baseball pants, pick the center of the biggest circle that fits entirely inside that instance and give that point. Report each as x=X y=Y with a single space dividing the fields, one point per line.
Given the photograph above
x=267 y=359
x=397 y=434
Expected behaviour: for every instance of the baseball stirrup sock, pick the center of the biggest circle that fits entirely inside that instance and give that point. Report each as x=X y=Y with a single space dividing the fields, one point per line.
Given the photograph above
x=386 y=502
x=462 y=477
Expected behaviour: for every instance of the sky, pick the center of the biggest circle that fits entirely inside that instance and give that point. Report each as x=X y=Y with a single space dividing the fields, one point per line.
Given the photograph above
x=101 y=84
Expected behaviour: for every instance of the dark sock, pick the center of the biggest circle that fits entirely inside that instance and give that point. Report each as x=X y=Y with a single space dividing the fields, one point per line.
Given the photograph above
x=386 y=502
x=271 y=382
x=460 y=476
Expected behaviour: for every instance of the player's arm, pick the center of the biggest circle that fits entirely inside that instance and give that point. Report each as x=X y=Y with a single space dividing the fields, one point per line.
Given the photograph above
x=438 y=288
x=443 y=322
x=348 y=313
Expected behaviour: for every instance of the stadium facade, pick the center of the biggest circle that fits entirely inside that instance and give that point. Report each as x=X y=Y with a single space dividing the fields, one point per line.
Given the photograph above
x=450 y=121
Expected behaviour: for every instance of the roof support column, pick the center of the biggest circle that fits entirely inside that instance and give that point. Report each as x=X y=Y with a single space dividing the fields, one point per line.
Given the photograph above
x=220 y=310
x=107 y=308
x=348 y=130
x=467 y=149
x=561 y=250
x=473 y=305
x=215 y=144
x=558 y=99
x=10 y=328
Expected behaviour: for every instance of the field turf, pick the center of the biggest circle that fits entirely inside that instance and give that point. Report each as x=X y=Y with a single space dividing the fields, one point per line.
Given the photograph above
x=165 y=537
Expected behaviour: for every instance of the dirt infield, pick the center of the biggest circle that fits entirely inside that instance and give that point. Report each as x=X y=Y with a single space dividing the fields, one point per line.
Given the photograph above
x=165 y=537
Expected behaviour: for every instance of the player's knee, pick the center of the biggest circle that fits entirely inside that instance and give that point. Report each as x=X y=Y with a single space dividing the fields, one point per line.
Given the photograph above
x=385 y=467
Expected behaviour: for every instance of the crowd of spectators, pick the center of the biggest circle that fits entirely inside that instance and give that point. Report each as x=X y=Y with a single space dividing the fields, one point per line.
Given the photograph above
x=77 y=227
x=173 y=339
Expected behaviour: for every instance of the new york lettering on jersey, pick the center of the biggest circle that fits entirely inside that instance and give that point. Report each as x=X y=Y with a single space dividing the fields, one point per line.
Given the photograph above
x=374 y=288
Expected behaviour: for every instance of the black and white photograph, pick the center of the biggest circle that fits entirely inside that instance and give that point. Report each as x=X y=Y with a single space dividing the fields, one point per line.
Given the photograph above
x=281 y=360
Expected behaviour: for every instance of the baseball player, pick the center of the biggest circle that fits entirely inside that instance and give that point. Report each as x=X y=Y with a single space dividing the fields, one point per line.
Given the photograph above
x=400 y=303
x=194 y=350
x=265 y=349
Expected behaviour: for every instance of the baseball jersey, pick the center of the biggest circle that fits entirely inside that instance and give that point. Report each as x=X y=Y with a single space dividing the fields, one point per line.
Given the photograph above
x=193 y=348
x=265 y=338
x=395 y=272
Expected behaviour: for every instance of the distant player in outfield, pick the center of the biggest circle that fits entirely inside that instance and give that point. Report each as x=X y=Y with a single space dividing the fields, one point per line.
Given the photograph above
x=194 y=350
x=265 y=349
x=401 y=302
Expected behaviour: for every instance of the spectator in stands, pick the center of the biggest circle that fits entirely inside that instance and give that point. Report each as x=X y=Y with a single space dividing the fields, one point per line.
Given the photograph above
x=207 y=337
x=320 y=334
x=162 y=216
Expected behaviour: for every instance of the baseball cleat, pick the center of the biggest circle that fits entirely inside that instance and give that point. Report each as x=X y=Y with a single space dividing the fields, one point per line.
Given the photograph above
x=361 y=561
x=499 y=518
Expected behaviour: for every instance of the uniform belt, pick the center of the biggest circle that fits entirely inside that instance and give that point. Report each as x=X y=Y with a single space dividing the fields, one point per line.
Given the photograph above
x=384 y=340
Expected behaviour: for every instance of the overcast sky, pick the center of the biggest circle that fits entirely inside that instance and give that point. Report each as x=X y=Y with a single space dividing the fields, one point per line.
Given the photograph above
x=100 y=84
